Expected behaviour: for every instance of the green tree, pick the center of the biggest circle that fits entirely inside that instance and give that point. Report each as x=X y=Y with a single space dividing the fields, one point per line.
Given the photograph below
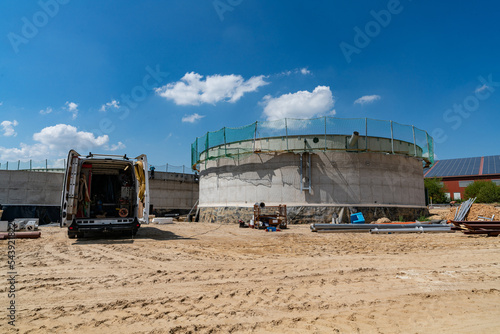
x=436 y=189
x=485 y=191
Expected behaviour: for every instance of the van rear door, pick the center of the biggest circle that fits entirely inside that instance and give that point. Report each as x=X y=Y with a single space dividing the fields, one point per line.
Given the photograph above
x=142 y=182
x=70 y=188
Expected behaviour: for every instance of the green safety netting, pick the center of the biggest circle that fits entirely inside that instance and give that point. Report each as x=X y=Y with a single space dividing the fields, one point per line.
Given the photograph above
x=232 y=142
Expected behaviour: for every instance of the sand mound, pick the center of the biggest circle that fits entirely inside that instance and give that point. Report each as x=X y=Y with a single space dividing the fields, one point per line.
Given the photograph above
x=383 y=220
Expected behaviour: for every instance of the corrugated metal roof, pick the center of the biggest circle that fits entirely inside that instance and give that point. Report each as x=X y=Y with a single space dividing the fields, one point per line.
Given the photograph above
x=465 y=167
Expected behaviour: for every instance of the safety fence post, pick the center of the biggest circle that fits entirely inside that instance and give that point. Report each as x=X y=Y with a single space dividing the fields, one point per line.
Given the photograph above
x=414 y=141
x=286 y=133
x=326 y=146
x=366 y=134
x=392 y=139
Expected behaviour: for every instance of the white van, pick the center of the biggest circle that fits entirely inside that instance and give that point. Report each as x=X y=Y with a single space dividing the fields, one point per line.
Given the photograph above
x=104 y=193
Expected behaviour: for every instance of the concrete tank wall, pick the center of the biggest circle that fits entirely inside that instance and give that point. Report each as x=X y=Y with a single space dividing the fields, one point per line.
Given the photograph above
x=337 y=178
x=380 y=184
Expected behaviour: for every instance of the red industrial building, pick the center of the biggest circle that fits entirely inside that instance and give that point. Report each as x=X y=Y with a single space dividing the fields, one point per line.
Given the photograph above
x=457 y=174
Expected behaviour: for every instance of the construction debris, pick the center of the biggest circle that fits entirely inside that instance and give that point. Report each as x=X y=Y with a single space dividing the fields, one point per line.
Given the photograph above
x=417 y=227
x=491 y=228
x=269 y=216
x=20 y=235
x=20 y=224
x=486 y=226
x=163 y=220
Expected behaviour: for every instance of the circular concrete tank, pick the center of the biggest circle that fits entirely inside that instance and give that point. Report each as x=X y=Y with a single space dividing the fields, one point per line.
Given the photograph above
x=315 y=175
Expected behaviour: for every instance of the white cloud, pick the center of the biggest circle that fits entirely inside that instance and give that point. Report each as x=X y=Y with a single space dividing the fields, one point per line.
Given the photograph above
x=367 y=99
x=1 y=103
x=302 y=104
x=113 y=104
x=193 y=90
x=72 y=107
x=36 y=151
x=115 y=147
x=62 y=137
x=481 y=88
x=46 y=111
x=192 y=118
x=8 y=128
x=303 y=71
x=55 y=141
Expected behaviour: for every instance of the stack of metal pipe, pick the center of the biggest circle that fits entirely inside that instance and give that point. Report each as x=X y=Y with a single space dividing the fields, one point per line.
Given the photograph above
x=463 y=209
x=417 y=227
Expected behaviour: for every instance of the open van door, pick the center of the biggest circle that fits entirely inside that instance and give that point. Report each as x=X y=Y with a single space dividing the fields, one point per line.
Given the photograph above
x=70 y=189
x=142 y=180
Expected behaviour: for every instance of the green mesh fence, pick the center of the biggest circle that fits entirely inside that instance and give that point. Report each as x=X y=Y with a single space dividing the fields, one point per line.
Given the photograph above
x=345 y=126
x=59 y=165
x=34 y=165
x=169 y=168
x=255 y=137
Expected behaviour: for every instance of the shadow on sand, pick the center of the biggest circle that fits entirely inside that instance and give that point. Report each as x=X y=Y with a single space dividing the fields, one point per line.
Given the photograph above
x=144 y=233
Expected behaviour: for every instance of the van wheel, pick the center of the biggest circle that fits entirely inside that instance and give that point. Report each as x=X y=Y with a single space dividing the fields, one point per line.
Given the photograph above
x=71 y=235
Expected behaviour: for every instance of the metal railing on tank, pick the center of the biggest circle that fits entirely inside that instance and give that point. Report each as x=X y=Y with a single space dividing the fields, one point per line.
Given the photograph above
x=233 y=142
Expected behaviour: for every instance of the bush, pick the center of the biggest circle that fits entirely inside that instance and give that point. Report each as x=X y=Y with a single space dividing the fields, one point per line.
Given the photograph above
x=485 y=191
x=436 y=190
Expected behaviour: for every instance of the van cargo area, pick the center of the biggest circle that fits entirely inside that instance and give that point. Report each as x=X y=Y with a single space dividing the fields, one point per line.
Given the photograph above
x=104 y=195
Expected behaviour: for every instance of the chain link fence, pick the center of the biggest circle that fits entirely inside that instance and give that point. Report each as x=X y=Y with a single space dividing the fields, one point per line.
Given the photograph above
x=221 y=143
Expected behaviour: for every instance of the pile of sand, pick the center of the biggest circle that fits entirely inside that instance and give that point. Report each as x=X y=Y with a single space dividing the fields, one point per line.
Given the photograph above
x=382 y=220
x=477 y=210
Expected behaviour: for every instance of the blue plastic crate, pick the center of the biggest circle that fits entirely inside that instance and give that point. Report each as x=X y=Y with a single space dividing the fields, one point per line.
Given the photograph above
x=357 y=218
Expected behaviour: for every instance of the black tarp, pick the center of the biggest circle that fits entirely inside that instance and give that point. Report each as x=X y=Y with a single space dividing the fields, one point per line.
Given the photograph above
x=45 y=214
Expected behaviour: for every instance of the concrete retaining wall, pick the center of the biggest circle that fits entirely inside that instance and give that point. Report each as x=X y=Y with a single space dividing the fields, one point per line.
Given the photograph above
x=173 y=191
x=31 y=188
x=169 y=191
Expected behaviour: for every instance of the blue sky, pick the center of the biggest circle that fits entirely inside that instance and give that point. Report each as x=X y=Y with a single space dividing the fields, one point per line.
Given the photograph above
x=150 y=76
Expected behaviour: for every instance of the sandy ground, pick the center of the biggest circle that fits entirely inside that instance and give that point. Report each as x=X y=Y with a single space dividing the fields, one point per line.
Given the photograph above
x=206 y=278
